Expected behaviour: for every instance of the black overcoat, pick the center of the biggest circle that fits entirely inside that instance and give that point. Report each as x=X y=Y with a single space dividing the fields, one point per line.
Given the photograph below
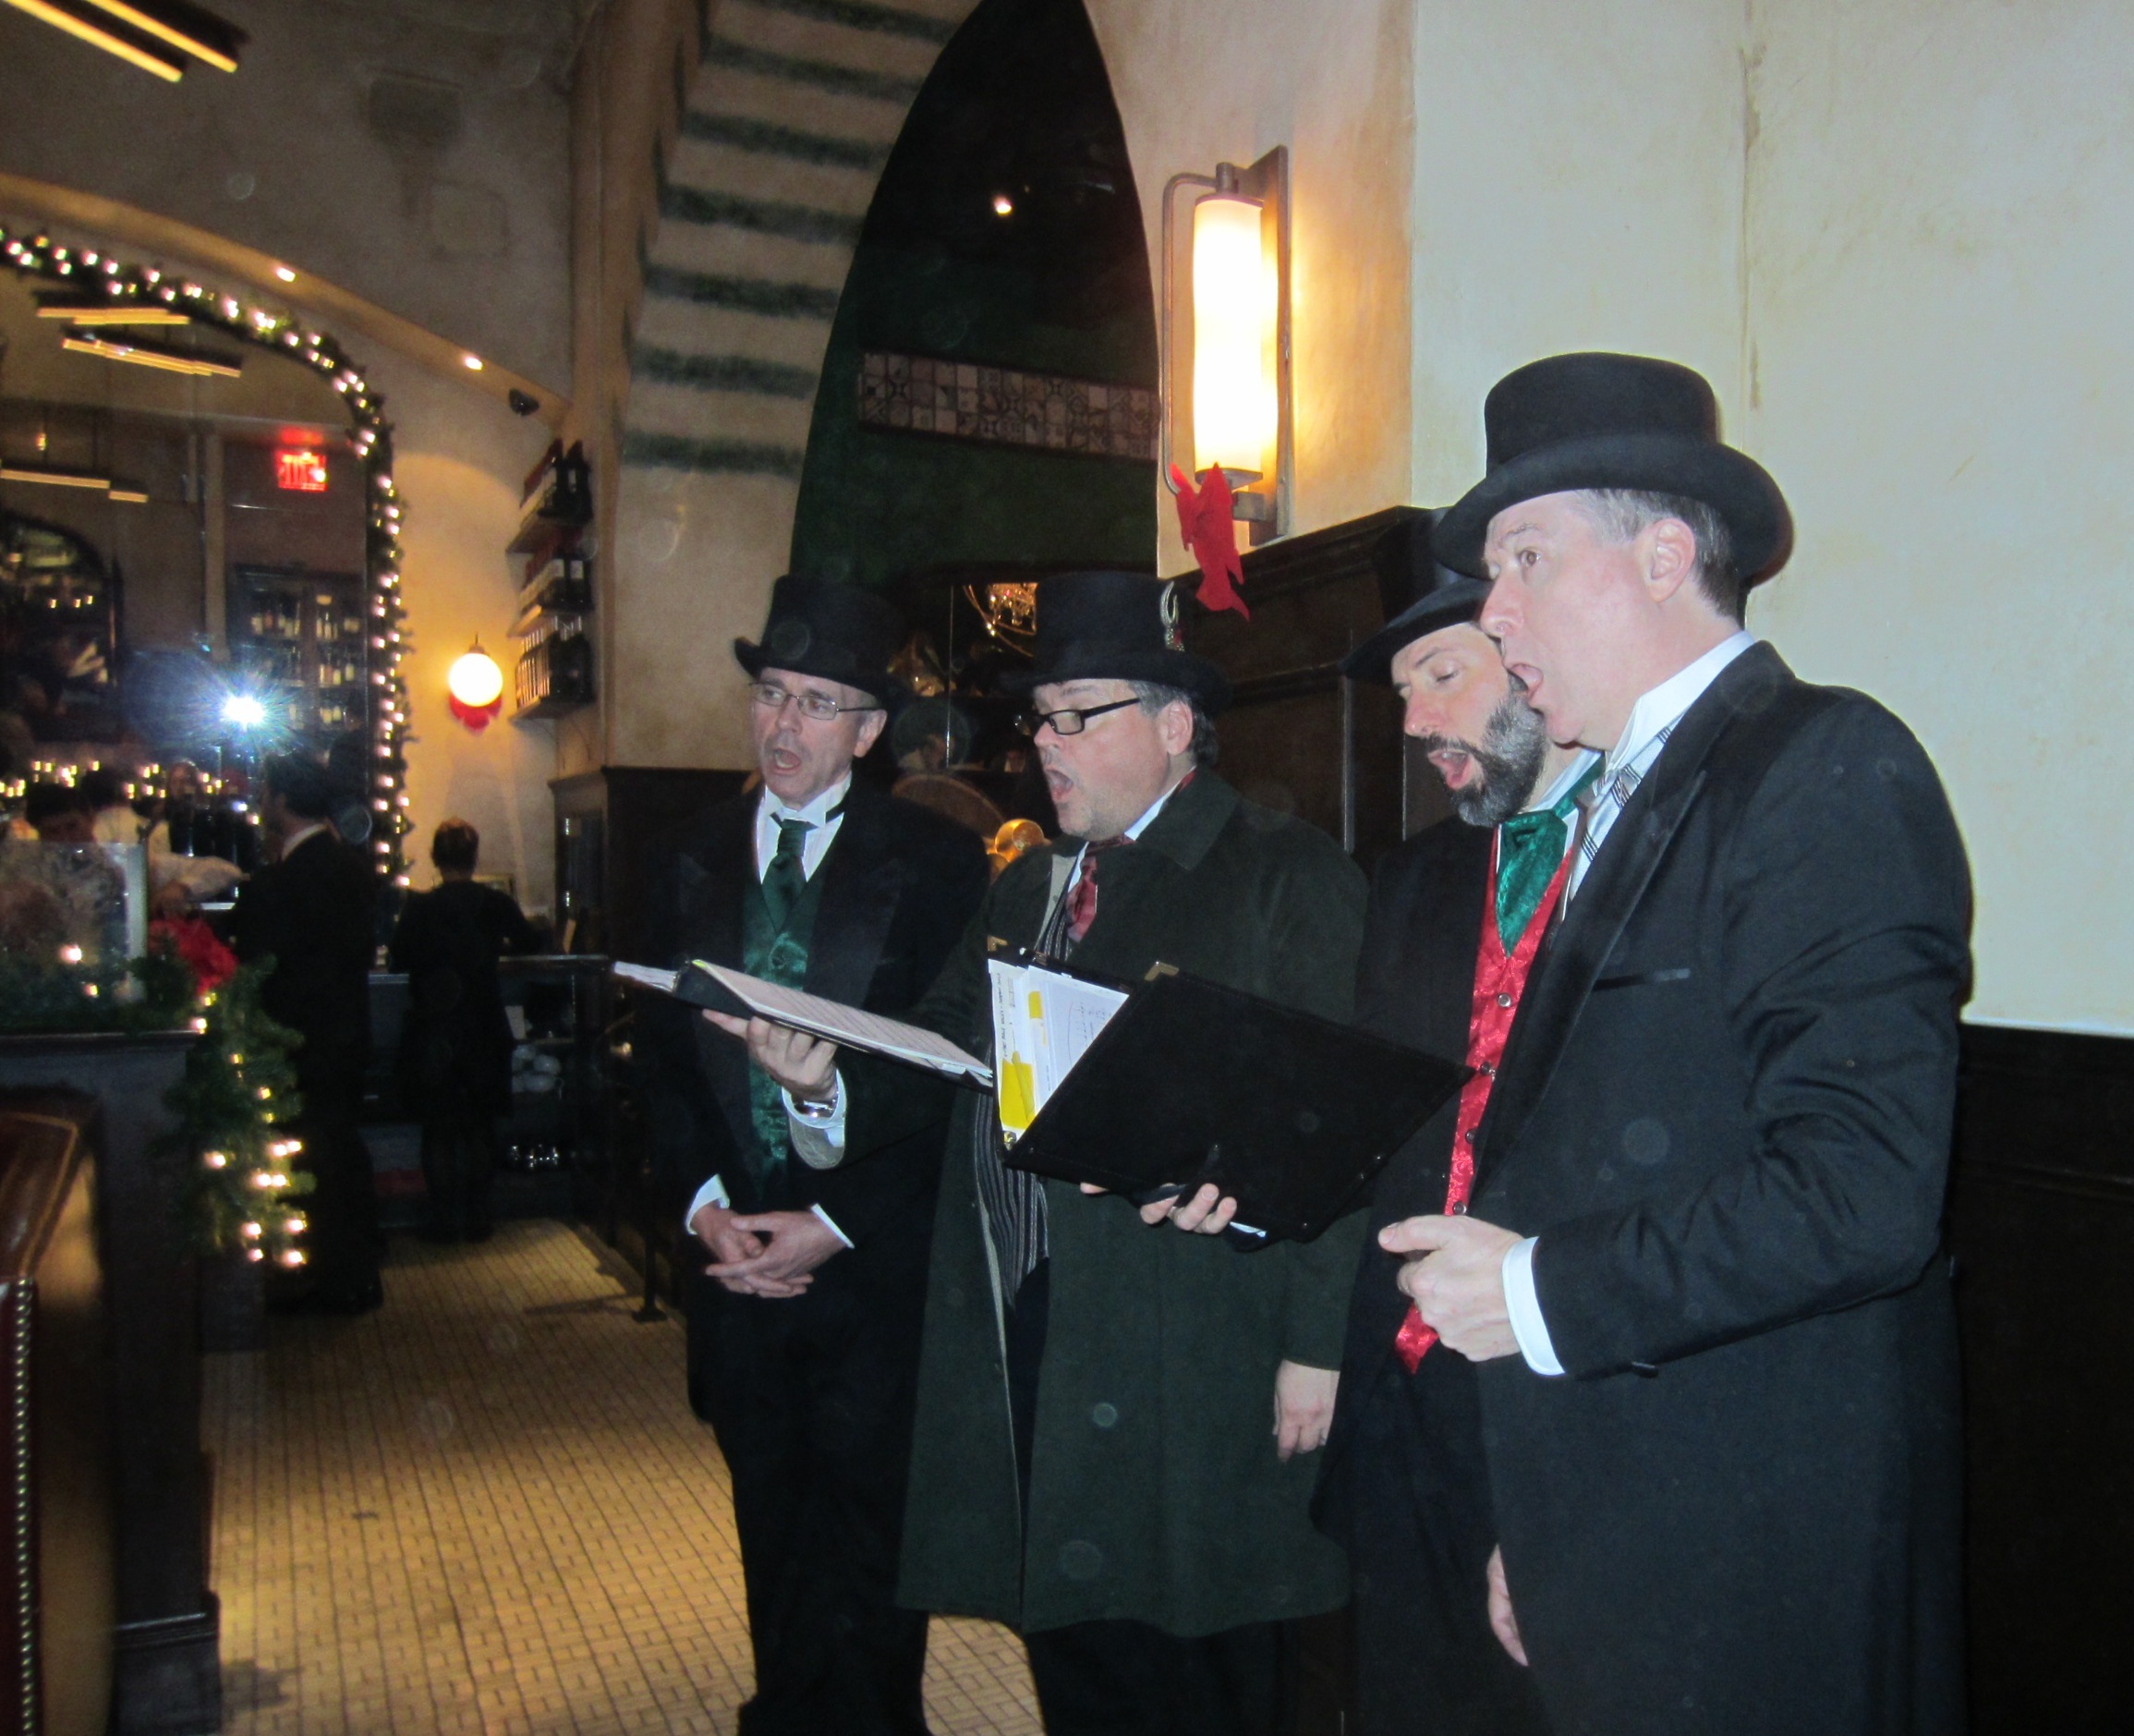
x=900 y=884
x=811 y=1396
x=1725 y=1111
x=1155 y=1492
x=455 y=1044
x=1404 y=1488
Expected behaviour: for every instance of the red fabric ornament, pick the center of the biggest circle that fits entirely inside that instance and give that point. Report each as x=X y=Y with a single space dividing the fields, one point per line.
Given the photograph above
x=475 y=717
x=1211 y=533
x=211 y=962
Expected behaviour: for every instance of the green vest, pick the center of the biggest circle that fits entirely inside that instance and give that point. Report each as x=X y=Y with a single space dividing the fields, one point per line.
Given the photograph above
x=778 y=956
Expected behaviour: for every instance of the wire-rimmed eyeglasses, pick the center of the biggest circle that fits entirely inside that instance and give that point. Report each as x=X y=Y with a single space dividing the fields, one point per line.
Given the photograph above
x=819 y=706
x=1069 y=721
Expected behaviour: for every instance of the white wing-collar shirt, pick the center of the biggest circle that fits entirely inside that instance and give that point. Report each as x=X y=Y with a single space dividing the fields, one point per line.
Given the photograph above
x=1652 y=721
x=824 y=826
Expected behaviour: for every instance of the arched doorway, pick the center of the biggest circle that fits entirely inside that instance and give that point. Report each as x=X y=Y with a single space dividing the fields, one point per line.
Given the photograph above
x=987 y=410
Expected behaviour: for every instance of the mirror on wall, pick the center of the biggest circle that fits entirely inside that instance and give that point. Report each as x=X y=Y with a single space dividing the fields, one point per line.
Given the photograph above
x=187 y=560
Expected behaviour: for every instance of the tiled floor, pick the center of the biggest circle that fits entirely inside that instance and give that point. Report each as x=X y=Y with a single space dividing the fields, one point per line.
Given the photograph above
x=487 y=1508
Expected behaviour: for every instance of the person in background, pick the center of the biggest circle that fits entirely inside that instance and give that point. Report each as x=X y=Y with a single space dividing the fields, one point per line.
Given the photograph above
x=310 y=911
x=59 y=813
x=454 y=1061
x=113 y=818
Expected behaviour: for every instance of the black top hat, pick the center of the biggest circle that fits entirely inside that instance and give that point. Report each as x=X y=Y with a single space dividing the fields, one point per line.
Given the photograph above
x=1115 y=626
x=1438 y=598
x=838 y=632
x=1604 y=421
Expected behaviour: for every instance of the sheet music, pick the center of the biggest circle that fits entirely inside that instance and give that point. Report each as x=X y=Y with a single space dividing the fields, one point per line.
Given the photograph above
x=646 y=977
x=850 y=1026
x=1044 y=1022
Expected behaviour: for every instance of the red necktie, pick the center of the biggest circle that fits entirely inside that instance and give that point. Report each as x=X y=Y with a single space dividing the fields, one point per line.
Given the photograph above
x=1082 y=895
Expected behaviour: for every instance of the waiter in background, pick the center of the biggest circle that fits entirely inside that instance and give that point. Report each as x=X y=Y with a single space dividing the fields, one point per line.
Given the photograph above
x=806 y=1289
x=311 y=911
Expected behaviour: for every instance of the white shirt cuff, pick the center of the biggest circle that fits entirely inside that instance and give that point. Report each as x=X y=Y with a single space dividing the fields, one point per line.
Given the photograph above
x=713 y=1193
x=1524 y=1306
x=818 y=1129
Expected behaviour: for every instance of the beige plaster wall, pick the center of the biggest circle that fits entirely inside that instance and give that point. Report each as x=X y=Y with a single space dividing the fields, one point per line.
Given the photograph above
x=457 y=458
x=1203 y=81
x=1578 y=176
x=1942 y=213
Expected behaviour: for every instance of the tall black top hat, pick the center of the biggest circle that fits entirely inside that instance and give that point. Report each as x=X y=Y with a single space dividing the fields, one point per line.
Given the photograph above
x=1438 y=598
x=1604 y=421
x=838 y=632
x=1115 y=626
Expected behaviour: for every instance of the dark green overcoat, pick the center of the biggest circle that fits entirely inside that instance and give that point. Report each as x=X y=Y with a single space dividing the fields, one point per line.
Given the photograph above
x=1155 y=1492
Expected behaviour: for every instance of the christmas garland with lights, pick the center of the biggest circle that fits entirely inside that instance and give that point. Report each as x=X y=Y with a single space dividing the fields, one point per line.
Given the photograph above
x=283 y=334
x=239 y=1086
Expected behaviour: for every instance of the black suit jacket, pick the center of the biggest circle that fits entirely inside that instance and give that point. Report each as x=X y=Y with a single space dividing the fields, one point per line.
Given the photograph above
x=314 y=913
x=901 y=885
x=1725 y=1111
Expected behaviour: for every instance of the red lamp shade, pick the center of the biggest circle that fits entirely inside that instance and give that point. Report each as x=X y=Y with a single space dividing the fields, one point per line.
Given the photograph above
x=476 y=685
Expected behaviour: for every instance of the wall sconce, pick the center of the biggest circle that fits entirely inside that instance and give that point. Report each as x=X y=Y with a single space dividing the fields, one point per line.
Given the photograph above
x=475 y=685
x=1225 y=337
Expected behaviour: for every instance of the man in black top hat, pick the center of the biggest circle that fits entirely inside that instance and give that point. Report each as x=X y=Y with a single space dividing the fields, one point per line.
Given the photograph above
x=1454 y=920
x=1114 y=1420
x=1701 y=1277
x=312 y=912
x=807 y=1280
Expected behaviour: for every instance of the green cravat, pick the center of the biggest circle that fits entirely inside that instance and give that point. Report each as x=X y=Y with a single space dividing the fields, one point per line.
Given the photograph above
x=784 y=879
x=787 y=964
x=1530 y=850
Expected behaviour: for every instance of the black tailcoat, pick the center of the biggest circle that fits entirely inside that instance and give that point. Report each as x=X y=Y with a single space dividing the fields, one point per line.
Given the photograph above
x=1403 y=1487
x=313 y=914
x=1725 y=1111
x=811 y=1397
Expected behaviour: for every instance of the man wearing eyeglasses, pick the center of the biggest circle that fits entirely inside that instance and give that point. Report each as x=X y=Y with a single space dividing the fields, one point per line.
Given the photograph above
x=806 y=1278
x=1115 y=1421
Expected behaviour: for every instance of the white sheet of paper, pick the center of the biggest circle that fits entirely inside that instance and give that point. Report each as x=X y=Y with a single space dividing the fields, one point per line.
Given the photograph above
x=648 y=976
x=852 y=1025
x=1044 y=1022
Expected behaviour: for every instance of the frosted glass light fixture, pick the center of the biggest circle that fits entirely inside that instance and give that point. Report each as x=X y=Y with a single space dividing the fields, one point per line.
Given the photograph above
x=1225 y=337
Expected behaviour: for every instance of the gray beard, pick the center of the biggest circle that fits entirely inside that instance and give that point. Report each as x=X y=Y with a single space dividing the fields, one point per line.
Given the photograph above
x=1509 y=757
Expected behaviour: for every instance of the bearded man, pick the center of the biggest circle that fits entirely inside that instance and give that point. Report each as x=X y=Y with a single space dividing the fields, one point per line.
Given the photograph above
x=1456 y=917
x=1702 y=1280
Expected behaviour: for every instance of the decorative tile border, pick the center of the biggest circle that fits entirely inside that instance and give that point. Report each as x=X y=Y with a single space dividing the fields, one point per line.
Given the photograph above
x=1006 y=406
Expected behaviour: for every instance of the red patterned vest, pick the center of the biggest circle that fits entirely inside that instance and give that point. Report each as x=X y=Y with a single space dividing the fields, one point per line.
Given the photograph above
x=1499 y=981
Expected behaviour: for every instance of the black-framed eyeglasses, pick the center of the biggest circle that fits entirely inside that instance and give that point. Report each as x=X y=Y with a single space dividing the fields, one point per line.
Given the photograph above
x=1070 y=721
x=819 y=706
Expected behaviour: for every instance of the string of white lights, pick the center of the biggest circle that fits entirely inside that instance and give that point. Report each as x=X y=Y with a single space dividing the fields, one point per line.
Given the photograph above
x=120 y=286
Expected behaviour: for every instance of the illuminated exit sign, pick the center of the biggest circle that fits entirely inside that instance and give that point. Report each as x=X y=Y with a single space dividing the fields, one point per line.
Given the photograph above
x=300 y=469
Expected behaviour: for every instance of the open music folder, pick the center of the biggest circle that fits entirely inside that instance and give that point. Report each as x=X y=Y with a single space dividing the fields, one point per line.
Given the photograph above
x=1172 y=1083
x=1189 y=1082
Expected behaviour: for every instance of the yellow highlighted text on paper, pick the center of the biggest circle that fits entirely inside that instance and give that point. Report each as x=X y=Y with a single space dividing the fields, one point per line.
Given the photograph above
x=1018 y=1094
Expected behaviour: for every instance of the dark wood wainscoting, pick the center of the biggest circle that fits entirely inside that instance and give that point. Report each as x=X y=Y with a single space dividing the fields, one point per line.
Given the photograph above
x=2041 y=1223
x=1298 y=736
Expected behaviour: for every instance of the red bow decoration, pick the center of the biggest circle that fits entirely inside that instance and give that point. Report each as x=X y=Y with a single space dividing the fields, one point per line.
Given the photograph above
x=475 y=717
x=1209 y=531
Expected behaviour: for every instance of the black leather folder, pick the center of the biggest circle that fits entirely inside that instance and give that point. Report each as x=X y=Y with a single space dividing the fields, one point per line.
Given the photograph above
x=1289 y=1113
